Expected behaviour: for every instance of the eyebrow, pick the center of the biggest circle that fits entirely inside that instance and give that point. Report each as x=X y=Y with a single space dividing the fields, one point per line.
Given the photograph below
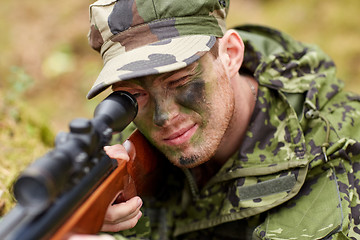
x=192 y=69
x=124 y=83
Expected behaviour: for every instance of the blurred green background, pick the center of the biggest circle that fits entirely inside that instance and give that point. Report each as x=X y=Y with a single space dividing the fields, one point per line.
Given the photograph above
x=47 y=67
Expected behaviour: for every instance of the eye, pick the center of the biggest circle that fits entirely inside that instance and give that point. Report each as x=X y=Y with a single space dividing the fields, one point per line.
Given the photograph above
x=141 y=97
x=138 y=94
x=179 y=82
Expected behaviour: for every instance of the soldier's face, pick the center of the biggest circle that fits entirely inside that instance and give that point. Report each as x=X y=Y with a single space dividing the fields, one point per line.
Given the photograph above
x=184 y=113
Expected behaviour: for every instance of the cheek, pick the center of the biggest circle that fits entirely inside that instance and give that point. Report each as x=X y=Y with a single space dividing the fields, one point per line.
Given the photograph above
x=143 y=121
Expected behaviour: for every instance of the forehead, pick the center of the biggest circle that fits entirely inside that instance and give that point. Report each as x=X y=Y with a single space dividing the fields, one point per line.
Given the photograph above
x=159 y=78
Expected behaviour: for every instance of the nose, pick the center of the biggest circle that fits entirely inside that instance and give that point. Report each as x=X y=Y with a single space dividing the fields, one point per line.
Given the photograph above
x=165 y=111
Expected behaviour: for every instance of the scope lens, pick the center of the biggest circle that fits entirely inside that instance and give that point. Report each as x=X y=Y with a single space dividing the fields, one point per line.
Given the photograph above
x=31 y=192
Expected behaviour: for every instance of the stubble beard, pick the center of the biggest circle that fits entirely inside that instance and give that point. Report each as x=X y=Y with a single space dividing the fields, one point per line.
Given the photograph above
x=205 y=147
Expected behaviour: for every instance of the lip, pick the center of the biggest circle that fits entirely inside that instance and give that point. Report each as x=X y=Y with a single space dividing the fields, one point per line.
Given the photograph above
x=181 y=136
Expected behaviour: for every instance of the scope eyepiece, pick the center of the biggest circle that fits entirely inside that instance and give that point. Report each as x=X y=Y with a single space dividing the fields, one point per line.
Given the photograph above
x=117 y=110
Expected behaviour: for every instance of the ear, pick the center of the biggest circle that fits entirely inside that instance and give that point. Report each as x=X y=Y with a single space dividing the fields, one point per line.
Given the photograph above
x=231 y=52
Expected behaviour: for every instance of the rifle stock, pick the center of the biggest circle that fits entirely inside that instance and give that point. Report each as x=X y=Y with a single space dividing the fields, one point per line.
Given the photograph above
x=88 y=218
x=138 y=176
x=68 y=190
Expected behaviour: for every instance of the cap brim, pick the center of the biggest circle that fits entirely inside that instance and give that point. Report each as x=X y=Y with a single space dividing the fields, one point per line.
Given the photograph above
x=160 y=57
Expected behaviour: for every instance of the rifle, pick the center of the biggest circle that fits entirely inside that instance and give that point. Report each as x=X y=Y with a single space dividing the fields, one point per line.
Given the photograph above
x=68 y=190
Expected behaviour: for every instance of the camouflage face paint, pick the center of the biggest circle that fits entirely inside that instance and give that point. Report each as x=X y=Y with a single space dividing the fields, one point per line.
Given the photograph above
x=189 y=94
x=193 y=94
x=185 y=114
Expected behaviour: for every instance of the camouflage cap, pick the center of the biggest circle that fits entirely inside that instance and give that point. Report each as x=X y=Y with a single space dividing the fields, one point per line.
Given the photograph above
x=137 y=38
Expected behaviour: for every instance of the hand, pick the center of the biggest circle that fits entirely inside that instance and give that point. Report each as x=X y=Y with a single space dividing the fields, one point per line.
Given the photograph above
x=119 y=216
x=123 y=215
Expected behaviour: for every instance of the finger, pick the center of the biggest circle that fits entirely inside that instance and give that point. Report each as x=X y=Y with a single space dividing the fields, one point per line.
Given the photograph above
x=91 y=237
x=123 y=211
x=128 y=224
x=117 y=151
x=117 y=220
x=128 y=145
x=130 y=149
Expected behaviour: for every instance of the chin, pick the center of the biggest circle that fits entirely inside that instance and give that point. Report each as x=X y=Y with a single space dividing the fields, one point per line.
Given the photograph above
x=189 y=161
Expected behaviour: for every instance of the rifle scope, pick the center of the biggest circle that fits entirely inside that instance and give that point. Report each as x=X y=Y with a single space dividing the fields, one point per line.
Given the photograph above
x=75 y=151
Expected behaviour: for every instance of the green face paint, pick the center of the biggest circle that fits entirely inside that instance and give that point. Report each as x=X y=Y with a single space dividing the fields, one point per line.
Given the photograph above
x=185 y=114
x=192 y=96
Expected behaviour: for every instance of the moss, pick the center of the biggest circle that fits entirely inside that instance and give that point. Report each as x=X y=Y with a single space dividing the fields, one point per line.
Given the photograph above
x=23 y=138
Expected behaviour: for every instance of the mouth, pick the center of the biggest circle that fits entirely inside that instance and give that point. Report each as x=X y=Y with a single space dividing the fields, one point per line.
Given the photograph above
x=181 y=136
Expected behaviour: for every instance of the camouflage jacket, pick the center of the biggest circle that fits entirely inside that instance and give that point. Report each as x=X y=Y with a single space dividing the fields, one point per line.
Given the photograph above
x=296 y=175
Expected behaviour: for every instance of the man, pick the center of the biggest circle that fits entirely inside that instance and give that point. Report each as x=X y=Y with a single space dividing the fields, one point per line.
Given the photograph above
x=262 y=141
